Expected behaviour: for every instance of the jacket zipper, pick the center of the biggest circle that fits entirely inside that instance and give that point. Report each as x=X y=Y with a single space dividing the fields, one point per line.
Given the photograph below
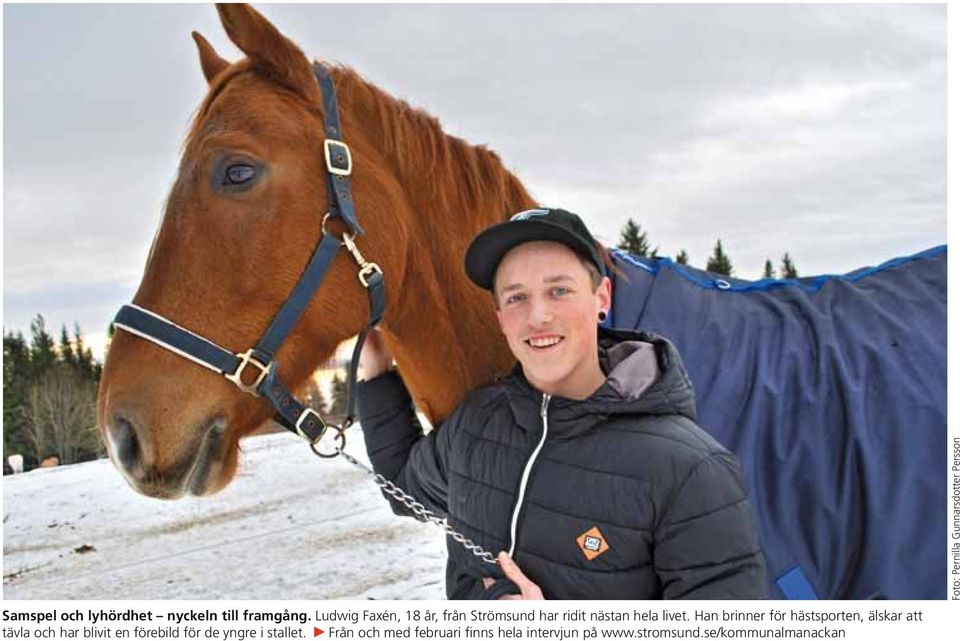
x=526 y=474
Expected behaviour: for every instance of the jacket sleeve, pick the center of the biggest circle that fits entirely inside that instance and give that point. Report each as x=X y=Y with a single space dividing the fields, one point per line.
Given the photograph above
x=705 y=544
x=397 y=447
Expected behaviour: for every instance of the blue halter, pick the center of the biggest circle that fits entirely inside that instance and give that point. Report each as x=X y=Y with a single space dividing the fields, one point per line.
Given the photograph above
x=259 y=360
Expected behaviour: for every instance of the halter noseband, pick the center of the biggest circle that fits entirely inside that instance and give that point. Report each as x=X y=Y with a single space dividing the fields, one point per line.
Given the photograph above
x=291 y=413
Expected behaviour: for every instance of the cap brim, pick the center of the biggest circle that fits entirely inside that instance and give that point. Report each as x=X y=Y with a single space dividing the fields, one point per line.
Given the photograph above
x=490 y=246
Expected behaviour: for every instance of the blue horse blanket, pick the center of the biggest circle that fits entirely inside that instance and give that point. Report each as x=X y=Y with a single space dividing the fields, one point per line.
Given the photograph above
x=832 y=391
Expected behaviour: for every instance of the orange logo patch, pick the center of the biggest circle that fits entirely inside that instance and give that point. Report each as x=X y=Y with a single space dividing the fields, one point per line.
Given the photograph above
x=592 y=543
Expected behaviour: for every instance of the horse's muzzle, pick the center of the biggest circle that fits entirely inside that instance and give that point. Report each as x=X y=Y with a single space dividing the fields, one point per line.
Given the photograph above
x=136 y=460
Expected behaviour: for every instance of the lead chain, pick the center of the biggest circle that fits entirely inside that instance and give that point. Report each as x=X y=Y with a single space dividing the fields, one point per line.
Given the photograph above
x=419 y=510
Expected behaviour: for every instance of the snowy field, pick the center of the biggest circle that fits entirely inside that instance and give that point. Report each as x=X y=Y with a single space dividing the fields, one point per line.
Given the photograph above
x=290 y=526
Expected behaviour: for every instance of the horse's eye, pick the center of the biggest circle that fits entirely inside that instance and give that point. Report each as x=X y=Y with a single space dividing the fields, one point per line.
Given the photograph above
x=239 y=174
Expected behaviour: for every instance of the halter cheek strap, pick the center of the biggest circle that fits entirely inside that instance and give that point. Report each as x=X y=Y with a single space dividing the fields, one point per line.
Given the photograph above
x=336 y=153
x=258 y=363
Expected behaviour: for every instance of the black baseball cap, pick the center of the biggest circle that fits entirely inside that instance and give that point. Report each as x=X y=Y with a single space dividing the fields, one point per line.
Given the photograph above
x=558 y=225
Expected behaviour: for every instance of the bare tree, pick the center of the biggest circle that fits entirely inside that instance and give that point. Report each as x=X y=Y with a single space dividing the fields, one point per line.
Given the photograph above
x=61 y=416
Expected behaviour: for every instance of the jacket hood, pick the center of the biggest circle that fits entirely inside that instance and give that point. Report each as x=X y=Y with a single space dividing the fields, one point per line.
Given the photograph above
x=645 y=376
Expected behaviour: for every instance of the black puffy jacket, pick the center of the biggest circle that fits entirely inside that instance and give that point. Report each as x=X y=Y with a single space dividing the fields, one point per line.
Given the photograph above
x=619 y=496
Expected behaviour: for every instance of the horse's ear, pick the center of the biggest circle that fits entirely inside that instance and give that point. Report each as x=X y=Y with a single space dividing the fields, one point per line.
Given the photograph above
x=269 y=50
x=211 y=63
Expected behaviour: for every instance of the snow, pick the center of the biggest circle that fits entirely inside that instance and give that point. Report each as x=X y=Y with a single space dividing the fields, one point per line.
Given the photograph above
x=290 y=526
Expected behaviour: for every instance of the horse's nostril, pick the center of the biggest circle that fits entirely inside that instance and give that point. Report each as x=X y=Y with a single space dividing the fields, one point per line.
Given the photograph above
x=126 y=446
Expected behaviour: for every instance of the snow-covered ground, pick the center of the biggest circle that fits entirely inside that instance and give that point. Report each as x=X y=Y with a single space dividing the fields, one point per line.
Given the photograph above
x=290 y=526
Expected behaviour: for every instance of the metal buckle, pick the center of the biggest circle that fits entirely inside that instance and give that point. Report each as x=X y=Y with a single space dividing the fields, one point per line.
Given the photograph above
x=328 y=149
x=246 y=358
x=303 y=416
x=366 y=270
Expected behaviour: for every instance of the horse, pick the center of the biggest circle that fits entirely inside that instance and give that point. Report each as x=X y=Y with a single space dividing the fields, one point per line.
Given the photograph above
x=263 y=114
x=245 y=212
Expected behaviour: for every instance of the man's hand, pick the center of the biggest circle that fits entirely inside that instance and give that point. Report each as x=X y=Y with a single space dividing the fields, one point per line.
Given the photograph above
x=375 y=358
x=529 y=591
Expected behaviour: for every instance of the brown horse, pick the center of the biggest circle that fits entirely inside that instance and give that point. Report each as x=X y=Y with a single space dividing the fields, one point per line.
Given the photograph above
x=225 y=259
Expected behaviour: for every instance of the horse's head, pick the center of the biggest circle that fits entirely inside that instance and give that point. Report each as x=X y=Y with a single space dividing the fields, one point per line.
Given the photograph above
x=241 y=221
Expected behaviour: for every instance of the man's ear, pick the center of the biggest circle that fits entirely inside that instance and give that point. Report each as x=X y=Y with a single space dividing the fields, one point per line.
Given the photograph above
x=604 y=295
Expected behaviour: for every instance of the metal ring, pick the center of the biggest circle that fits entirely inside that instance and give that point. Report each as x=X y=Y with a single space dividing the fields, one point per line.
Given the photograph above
x=341 y=437
x=323 y=223
x=722 y=284
x=323 y=228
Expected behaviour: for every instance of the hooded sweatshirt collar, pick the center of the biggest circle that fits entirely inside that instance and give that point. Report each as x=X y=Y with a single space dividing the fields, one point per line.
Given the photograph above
x=644 y=377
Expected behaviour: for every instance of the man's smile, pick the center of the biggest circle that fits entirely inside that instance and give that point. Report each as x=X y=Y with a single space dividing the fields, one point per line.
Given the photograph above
x=544 y=342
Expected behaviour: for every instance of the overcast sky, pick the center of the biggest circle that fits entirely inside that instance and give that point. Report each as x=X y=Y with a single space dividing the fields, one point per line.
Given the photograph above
x=818 y=130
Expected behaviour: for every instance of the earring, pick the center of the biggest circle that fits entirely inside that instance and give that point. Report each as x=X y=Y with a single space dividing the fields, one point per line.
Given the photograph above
x=602 y=316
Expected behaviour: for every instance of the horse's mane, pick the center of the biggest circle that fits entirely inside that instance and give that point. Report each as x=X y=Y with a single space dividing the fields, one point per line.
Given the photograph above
x=427 y=155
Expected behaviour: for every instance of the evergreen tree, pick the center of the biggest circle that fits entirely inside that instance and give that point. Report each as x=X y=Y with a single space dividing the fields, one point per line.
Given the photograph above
x=43 y=353
x=719 y=263
x=634 y=242
x=682 y=258
x=16 y=354
x=768 y=269
x=84 y=356
x=787 y=268
x=66 y=348
x=338 y=396
x=16 y=382
x=106 y=349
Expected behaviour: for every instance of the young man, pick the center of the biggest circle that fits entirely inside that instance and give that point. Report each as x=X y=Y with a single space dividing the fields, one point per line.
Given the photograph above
x=584 y=465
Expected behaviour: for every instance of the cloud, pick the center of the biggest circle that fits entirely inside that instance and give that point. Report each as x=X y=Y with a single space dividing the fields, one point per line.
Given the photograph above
x=814 y=129
x=810 y=101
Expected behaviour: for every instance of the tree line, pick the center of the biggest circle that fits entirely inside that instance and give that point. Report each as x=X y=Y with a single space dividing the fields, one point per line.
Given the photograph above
x=634 y=241
x=49 y=396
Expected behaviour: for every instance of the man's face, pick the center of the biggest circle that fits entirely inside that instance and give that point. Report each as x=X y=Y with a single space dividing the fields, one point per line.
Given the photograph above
x=547 y=310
